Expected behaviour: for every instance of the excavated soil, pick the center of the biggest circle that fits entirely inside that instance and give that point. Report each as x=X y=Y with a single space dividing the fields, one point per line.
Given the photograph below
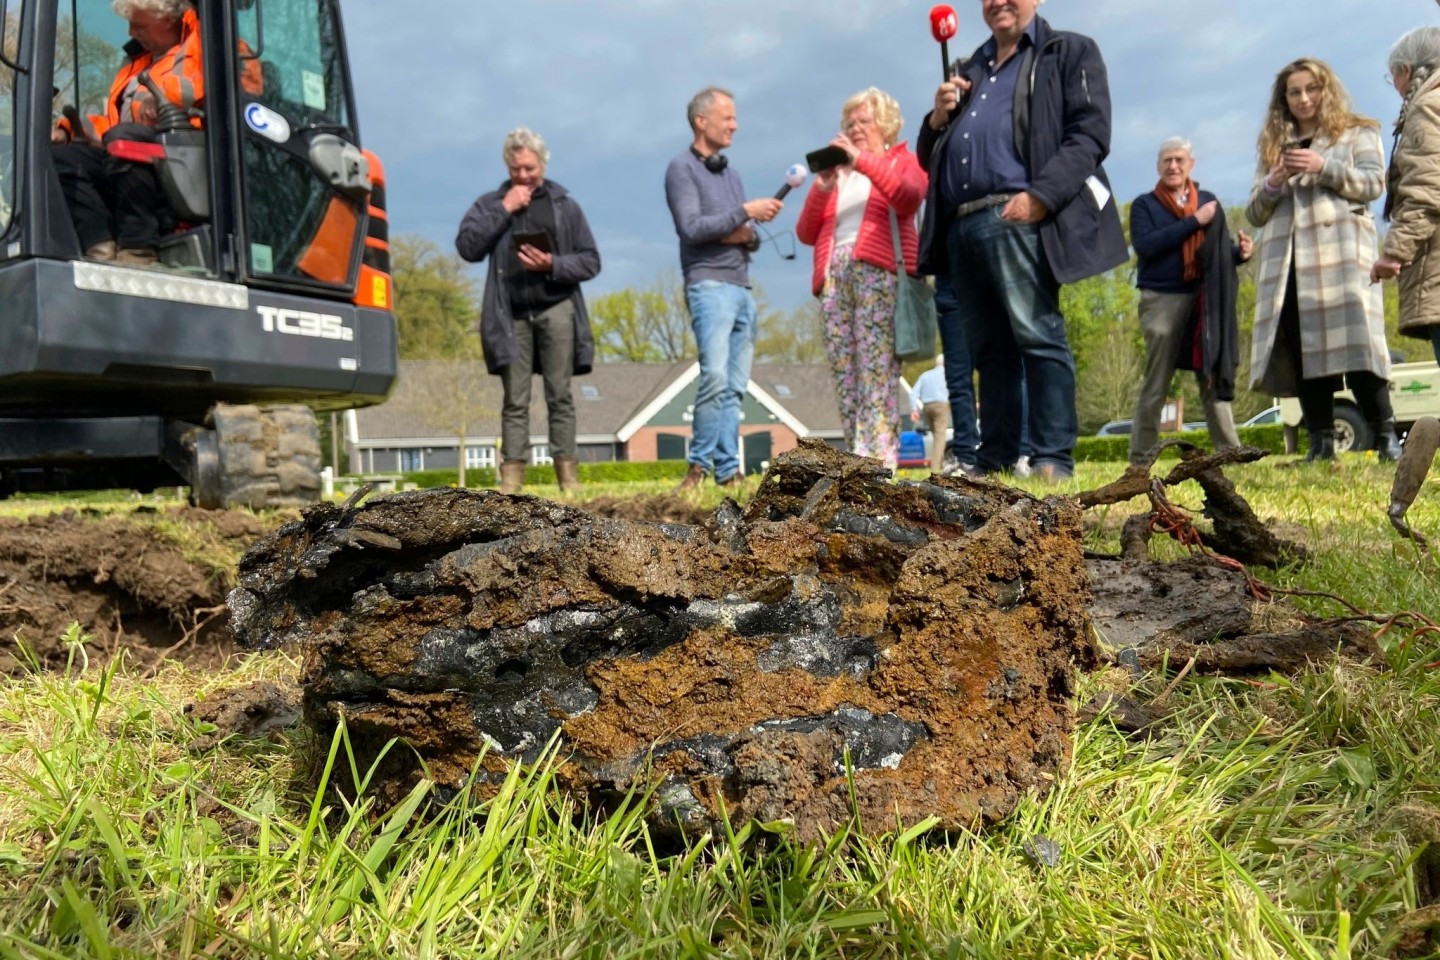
x=135 y=589
x=118 y=576
x=152 y=583
x=905 y=649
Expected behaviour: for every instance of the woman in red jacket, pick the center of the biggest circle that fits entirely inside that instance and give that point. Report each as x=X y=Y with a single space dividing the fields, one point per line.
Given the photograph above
x=847 y=219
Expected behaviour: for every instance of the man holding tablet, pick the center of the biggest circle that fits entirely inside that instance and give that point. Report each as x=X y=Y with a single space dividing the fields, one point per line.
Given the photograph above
x=532 y=315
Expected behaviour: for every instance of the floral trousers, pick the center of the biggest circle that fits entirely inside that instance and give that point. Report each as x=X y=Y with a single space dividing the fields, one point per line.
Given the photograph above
x=857 y=309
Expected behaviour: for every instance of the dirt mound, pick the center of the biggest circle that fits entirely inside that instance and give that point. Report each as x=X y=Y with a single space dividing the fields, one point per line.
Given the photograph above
x=247 y=711
x=660 y=508
x=1195 y=608
x=129 y=580
x=920 y=635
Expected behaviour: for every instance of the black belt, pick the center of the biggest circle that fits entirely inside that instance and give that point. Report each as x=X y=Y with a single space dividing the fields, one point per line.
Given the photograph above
x=984 y=203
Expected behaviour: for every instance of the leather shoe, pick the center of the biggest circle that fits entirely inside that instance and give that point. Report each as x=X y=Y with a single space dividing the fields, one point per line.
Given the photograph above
x=1051 y=473
x=968 y=470
x=105 y=250
x=137 y=256
x=693 y=479
x=734 y=482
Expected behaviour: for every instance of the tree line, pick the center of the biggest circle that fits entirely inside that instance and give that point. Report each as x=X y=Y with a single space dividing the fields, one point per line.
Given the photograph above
x=437 y=306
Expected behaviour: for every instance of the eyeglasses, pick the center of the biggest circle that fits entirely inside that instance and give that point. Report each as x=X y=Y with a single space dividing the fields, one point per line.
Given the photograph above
x=1312 y=91
x=859 y=122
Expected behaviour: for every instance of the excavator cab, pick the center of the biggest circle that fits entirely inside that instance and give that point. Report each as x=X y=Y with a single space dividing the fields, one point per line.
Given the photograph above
x=271 y=299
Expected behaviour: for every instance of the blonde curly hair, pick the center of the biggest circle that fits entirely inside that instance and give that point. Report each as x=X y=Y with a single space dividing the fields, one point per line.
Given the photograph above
x=1335 y=114
x=883 y=110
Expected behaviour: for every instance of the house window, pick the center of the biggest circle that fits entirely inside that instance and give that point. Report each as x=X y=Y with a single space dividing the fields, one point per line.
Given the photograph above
x=412 y=460
x=671 y=446
x=479 y=457
x=540 y=454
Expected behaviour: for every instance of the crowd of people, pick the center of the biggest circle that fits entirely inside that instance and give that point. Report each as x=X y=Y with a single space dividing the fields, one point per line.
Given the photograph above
x=1013 y=201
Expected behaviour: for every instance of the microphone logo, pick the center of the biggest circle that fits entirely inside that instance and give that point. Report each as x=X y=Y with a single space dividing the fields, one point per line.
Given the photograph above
x=943 y=22
x=795 y=175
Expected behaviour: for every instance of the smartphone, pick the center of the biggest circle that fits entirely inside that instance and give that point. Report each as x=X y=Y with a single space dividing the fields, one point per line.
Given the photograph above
x=1293 y=145
x=539 y=240
x=826 y=158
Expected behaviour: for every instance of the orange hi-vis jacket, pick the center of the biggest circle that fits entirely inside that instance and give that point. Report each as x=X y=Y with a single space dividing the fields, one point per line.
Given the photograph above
x=177 y=73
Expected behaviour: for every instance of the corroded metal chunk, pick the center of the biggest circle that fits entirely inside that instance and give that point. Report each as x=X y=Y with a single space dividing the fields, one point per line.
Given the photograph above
x=900 y=649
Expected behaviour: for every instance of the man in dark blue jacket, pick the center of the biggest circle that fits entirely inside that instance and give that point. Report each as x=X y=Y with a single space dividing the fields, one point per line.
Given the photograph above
x=1018 y=205
x=1168 y=227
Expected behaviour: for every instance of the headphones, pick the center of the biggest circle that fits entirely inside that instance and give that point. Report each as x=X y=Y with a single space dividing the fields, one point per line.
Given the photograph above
x=715 y=163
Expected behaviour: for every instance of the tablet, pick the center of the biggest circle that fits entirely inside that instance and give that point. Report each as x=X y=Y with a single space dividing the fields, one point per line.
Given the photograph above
x=540 y=240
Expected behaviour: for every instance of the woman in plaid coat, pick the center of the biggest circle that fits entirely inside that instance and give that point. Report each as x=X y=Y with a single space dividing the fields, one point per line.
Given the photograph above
x=1317 y=316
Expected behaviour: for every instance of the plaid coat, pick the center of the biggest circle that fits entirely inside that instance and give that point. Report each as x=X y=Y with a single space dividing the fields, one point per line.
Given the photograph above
x=1324 y=221
x=1413 y=238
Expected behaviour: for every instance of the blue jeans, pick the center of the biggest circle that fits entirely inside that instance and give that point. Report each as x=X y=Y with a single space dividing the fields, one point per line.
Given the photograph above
x=1009 y=304
x=723 y=318
x=959 y=373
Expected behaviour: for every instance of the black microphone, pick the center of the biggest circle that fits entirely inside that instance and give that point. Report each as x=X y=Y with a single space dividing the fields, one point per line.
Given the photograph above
x=794 y=176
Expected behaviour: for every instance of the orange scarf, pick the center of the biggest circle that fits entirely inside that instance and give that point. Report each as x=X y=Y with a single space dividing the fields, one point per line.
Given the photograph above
x=1190 y=249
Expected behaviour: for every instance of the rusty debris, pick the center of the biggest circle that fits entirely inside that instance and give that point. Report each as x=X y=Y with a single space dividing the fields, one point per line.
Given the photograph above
x=844 y=643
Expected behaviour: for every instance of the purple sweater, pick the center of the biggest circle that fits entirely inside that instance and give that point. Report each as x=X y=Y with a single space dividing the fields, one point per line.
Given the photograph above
x=707 y=206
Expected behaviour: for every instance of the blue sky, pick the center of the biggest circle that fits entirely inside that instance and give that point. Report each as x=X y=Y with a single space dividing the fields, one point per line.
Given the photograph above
x=606 y=82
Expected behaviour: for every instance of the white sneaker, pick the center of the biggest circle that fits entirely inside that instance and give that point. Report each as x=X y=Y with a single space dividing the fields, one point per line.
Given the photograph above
x=1022 y=467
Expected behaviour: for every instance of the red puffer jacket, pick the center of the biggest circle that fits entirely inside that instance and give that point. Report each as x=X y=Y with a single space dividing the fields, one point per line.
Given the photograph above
x=896 y=181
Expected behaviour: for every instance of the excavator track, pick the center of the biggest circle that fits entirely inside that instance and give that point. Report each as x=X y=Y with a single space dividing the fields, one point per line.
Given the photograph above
x=258 y=457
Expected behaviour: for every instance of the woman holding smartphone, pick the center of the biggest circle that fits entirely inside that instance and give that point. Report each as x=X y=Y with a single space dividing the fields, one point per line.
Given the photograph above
x=1318 y=319
x=856 y=216
x=1412 y=204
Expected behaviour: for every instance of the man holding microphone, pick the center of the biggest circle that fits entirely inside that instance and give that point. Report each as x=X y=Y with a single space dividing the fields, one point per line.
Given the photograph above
x=1019 y=204
x=712 y=218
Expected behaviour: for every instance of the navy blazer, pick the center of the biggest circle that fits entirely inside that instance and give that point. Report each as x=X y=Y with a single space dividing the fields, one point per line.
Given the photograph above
x=1062 y=133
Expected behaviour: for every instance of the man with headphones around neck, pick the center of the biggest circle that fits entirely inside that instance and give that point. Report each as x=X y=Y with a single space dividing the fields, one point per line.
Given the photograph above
x=713 y=219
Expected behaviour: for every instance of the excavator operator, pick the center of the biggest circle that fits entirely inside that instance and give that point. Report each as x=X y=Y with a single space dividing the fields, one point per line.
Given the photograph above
x=118 y=207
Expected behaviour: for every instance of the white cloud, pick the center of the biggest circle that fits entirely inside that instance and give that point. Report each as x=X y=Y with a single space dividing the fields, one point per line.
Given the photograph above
x=606 y=82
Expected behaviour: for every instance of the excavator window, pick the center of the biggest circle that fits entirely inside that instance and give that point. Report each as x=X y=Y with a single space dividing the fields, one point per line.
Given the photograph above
x=89 y=40
x=300 y=228
x=297 y=45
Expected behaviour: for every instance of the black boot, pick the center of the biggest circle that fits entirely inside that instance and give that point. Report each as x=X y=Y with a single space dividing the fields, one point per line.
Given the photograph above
x=1322 y=445
x=1386 y=444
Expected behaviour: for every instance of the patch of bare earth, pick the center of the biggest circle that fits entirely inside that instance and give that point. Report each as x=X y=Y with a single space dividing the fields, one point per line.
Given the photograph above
x=121 y=579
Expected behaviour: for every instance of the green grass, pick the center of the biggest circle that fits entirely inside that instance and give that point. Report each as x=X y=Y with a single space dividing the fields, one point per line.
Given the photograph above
x=1270 y=818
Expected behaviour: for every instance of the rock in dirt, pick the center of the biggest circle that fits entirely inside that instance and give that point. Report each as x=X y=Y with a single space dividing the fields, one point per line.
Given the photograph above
x=921 y=634
x=252 y=710
x=1127 y=715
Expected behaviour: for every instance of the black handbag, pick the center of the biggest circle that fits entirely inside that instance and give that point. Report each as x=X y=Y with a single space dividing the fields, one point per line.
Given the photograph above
x=916 y=326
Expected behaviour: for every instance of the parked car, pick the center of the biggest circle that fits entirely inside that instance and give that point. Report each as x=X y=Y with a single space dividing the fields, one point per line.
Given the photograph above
x=1269 y=415
x=1122 y=428
x=1414 y=393
x=1116 y=428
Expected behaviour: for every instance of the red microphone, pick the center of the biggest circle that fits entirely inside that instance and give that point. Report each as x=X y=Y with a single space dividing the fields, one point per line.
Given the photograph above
x=943 y=26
